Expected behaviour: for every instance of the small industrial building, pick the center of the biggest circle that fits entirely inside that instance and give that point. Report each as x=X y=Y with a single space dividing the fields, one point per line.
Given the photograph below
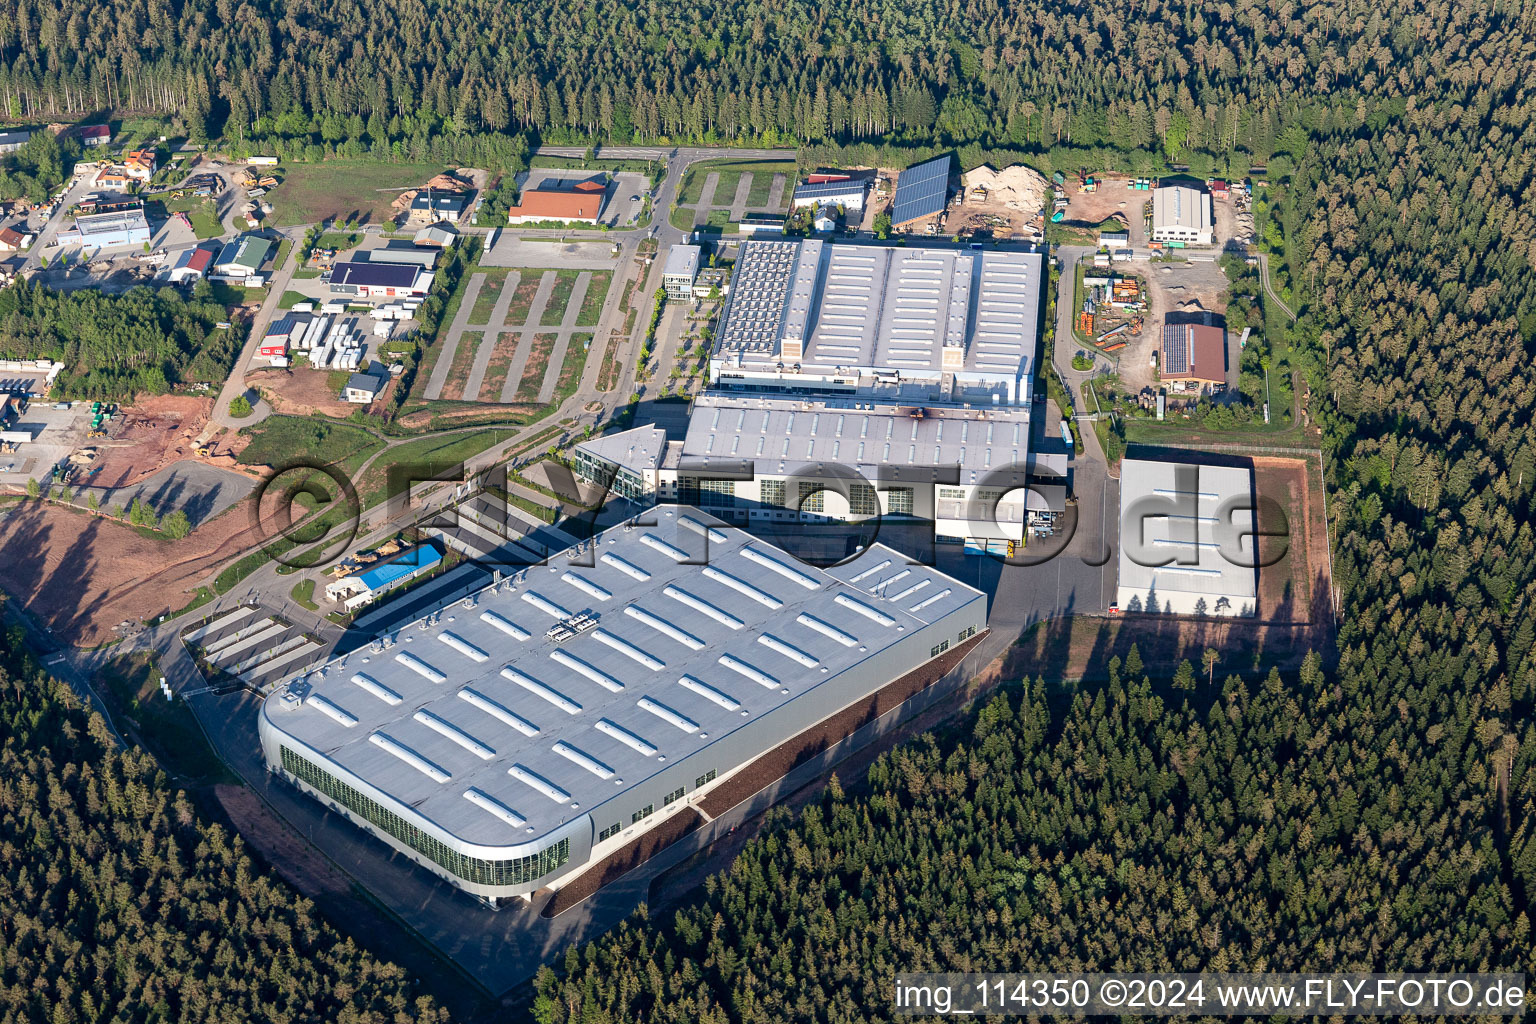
x=921 y=191
x=1182 y=215
x=395 y=252
x=380 y=280
x=520 y=735
x=242 y=256
x=362 y=388
x=14 y=139
x=354 y=591
x=280 y=337
x=1187 y=543
x=681 y=268
x=193 y=264
x=436 y=236
x=121 y=227
x=432 y=205
x=581 y=203
x=1194 y=357
x=760 y=224
x=849 y=193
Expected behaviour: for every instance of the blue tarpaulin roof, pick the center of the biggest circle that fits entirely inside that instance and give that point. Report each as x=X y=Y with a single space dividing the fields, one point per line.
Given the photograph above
x=380 y=576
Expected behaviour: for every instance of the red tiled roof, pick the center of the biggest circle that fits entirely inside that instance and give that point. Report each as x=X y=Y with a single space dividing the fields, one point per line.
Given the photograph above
x=589 y=186
x=558 y=205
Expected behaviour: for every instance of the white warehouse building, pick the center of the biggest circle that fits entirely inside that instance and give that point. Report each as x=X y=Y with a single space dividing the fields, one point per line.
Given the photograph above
x=1187 y=539
x=508 y=741
x=896 y=323
x=1182 y=213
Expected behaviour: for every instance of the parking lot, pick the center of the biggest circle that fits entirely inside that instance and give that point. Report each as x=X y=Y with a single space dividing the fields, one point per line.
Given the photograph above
x=56 y=433
x=508 y=250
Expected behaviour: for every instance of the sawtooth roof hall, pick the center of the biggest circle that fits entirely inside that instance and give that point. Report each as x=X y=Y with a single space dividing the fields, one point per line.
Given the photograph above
x=909 y=324
x=511 y=739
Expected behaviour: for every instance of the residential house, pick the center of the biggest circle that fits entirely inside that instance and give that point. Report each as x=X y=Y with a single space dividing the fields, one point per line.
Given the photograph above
x=93 y=135
x=14 y=240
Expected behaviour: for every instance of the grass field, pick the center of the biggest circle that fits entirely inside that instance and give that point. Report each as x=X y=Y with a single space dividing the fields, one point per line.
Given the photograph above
x=730 y=172
x=435 y=452
x=463 y=362
x=647 y=167
x=522 y=299
x=608 y=374
x=496 y=369
x=304 y=593
x=534 y=369
x=592 y=304
x=292 y=298
x=554 y=312
x=344 y=190
x=205 y=222
x=278 y=439
x=571 y=368
x=485 y=302
x=166 y=728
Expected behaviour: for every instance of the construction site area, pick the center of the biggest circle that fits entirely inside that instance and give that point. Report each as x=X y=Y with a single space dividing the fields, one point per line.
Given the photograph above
x=1005 y=204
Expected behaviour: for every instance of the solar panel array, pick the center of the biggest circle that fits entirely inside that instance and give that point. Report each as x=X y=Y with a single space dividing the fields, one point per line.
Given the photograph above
x=921 y=190
x=1175 y=349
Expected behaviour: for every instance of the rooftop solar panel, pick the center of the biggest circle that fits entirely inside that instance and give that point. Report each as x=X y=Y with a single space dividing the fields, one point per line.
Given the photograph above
x=921 y=190
x=1175 y=349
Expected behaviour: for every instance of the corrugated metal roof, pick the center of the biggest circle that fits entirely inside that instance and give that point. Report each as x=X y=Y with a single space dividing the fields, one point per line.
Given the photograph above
x=560 y=737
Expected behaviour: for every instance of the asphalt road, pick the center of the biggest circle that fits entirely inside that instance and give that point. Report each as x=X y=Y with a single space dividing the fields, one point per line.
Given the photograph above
x=1071 y=575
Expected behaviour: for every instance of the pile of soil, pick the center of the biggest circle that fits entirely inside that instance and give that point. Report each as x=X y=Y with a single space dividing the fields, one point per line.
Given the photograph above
x=775 y=764
x=623 y=860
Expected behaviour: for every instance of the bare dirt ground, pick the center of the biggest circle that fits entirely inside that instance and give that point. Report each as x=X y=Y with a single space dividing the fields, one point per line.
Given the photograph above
x=299 y=391
x=1112 y=197
x=155 y=432
x=300 y=864
x=81 y=574
x=1297 y=587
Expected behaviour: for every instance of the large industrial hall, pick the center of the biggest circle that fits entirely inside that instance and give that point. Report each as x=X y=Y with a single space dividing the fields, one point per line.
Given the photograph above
x=894 y=323
x=509 y=740
x=1187 y=539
